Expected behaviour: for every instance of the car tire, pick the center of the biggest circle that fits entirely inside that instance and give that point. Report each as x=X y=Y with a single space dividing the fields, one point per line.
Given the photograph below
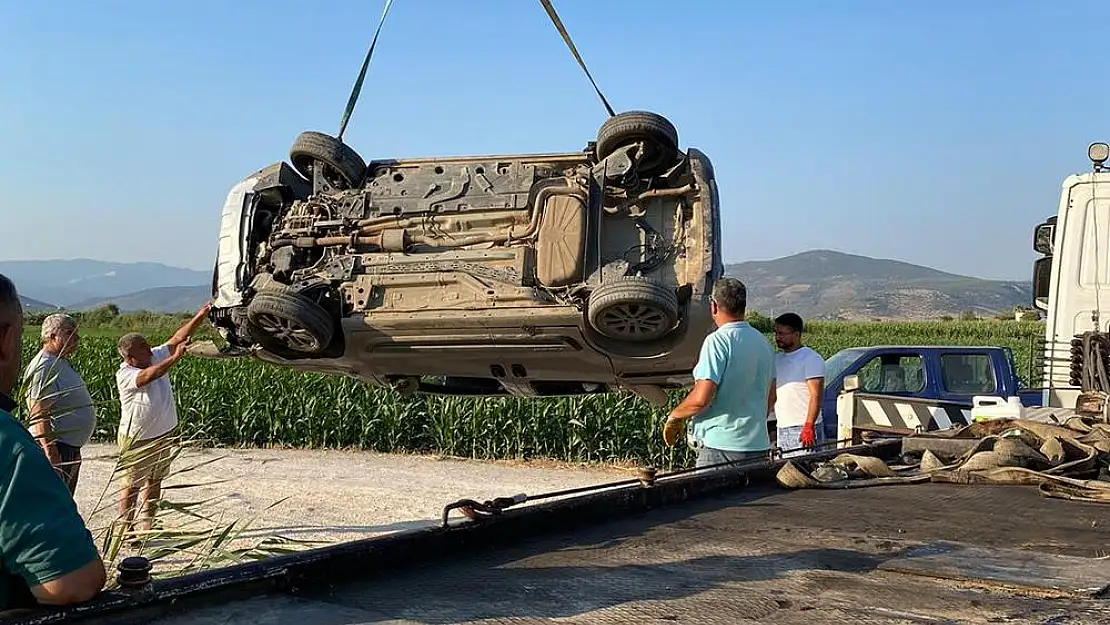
x=658 y=134
x=343 y=167
x=285 y=322
x=633 y=309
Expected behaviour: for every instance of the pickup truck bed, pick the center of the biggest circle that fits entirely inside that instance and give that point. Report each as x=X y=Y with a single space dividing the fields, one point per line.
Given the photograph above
x=756 y=554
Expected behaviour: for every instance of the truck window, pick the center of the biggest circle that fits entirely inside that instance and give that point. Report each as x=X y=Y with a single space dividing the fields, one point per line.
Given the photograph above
x=838 y=362
x=968 y=374
x=893 y=373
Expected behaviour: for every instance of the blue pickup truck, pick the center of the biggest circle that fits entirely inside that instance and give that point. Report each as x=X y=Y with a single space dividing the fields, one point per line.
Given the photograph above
x=940 y=372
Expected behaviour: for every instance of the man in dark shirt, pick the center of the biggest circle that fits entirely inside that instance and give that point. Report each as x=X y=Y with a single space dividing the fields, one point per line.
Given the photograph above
x=47 y=555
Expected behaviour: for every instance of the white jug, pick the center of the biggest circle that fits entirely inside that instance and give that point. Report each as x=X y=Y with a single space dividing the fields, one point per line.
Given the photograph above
x=985 y=407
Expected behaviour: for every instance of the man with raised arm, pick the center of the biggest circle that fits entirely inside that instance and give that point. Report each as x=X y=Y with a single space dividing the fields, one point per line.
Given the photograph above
x=148 y=417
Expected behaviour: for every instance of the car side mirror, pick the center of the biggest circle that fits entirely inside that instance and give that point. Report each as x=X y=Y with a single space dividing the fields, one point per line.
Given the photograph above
x=1043 y=238
x=851 y=383
x=1042 y=280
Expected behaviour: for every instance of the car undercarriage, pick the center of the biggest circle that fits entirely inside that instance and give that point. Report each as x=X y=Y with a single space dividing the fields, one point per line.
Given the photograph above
x=525 y=274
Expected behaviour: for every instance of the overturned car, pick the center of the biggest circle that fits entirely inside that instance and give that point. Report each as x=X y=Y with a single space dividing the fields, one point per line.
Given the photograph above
x=528 y=275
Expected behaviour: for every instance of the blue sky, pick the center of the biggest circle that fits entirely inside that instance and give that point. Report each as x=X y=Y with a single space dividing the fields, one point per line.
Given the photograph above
x=933 y=132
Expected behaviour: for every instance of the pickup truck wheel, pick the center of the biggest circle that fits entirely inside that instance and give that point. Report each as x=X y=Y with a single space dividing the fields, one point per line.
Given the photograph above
x=343 y=167
x=658 y=135
x=633 y=309
x=290 y=322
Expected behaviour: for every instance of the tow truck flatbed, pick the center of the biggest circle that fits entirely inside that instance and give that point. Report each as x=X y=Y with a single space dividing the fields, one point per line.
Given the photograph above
x=728 y=548
x=765 y=555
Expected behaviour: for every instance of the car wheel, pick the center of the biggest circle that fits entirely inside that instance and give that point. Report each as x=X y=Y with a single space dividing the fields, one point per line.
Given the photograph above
x=289 y=321
x=343 y=167
x=658 y=135
x=633 y=309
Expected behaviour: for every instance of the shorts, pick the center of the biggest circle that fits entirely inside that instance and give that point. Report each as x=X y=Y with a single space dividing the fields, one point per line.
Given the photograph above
x=70 y=466
x=708 y=456
x=790 y=438
x=147 y=459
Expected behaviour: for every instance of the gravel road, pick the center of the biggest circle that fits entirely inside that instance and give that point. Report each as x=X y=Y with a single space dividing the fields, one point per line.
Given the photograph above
x=331 y=496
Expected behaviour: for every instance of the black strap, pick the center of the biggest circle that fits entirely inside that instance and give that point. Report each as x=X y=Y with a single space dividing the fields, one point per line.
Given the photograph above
x=570 y=44
x=362 y=75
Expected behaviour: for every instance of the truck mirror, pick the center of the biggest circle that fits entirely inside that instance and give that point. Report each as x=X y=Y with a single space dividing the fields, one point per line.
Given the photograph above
x=851 y=383
x=1042 y=280
x=1043 y=238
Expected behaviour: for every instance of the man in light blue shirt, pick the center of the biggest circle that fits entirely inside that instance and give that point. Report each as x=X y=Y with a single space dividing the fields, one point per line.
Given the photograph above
x=726 y=411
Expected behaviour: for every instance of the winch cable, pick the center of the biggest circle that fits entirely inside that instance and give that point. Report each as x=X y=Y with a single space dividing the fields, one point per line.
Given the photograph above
x=357 y=89
x=362 y=74
x=570 y=44
x=474 y=509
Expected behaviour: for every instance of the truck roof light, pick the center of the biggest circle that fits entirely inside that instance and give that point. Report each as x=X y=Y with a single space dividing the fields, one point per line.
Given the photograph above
x=1098 y=152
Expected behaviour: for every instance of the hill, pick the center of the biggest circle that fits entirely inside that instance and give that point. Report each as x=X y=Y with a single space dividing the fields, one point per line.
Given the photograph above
x=165 y=299
x=823 y=284
x=33 y=305
x=68 y=282
x=818 y=284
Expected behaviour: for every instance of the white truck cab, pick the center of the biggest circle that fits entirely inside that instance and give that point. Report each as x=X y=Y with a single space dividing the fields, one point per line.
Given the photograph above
x=1071 y=284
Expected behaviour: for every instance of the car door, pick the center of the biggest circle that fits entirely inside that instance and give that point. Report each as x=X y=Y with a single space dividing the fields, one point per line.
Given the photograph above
x=897 y=372
x=963 y=374
x=900 y=372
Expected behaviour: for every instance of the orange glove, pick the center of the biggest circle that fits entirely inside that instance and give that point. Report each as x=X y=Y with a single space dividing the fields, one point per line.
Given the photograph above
x=809 y=435
x=672 y=430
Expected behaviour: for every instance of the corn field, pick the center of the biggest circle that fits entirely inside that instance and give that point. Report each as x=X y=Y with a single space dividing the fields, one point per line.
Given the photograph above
x=251 y=403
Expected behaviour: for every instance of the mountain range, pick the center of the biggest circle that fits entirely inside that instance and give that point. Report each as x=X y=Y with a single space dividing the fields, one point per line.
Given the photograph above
x=818 y=284
x=81 y=284
x=824 y=284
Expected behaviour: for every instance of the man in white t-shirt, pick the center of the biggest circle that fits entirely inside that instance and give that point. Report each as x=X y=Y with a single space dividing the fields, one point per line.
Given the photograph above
x=148 y=416
x=799 y=385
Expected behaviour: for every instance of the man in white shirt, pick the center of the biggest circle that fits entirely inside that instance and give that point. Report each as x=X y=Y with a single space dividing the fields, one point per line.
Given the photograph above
x=799 y=385
x=148 y=416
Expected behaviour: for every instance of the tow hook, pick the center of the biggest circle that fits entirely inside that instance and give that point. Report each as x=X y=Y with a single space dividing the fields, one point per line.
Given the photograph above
x=476 y=511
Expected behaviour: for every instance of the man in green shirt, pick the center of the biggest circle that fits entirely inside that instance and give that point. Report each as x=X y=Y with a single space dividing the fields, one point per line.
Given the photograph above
x=47 y=555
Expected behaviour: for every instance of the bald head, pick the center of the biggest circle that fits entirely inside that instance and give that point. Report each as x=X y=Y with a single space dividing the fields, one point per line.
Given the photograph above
x=11 y=335
x=135 y=350
x=128 y=342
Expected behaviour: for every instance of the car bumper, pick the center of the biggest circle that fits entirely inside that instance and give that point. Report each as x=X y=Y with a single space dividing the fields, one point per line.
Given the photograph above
x=231 y=261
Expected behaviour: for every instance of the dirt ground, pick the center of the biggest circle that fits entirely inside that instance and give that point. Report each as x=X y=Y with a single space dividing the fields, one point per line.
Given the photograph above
x=330 y=496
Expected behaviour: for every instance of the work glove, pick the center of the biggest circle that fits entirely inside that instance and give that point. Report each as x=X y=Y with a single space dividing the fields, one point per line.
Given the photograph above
x=809 y=435
x=672 y=430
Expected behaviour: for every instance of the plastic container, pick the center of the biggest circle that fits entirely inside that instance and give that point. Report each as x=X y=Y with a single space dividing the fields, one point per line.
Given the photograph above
x=984 y=407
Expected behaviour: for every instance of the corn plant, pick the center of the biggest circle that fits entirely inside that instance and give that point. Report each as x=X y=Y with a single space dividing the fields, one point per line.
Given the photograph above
x=246 y=402
x=185 y=535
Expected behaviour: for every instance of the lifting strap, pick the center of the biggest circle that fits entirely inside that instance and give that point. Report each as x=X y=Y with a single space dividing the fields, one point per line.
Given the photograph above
x=570 y=44
x=362 y=75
